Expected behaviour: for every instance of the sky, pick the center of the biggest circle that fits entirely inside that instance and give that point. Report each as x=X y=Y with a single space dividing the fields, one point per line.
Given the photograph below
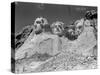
x=26 y=13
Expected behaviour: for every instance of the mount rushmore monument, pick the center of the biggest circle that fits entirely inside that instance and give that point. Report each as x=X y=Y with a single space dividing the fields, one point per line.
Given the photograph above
x=43 y=47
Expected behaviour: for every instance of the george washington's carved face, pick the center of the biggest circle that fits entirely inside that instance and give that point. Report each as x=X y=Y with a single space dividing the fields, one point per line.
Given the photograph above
x=57 y=27
x=39 y=23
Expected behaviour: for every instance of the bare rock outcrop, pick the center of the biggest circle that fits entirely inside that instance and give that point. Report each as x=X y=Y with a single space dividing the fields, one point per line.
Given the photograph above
x=43 y=43
x=21 y=37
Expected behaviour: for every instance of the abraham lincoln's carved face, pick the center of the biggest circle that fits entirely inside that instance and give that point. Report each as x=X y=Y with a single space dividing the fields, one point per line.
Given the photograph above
x=79 y=25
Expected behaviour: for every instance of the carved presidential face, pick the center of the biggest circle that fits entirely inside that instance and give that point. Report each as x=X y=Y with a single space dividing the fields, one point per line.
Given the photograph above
x=39 y=23
x=79 y=25
x=69 y=32
x=57 y=27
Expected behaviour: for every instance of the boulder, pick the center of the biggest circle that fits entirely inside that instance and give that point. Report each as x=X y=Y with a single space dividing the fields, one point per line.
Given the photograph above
x=42 y=43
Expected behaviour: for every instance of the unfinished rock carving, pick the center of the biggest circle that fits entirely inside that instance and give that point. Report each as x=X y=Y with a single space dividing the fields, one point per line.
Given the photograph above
x=64 y=48
x=57 y=28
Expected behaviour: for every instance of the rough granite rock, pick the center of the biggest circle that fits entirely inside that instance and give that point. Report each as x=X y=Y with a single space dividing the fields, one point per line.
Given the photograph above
x=84 y=43
x=21 y=37
x=43 y=43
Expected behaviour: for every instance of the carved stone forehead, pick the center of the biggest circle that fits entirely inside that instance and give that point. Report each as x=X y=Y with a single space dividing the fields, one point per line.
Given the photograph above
x=38 y=19
x=41 y=20
x=57 y=24
x=79 y=23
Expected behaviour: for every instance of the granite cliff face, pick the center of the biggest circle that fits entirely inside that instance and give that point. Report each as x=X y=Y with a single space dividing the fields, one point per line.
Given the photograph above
x=47 y=51
x=43 y=43
x=22 y=36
